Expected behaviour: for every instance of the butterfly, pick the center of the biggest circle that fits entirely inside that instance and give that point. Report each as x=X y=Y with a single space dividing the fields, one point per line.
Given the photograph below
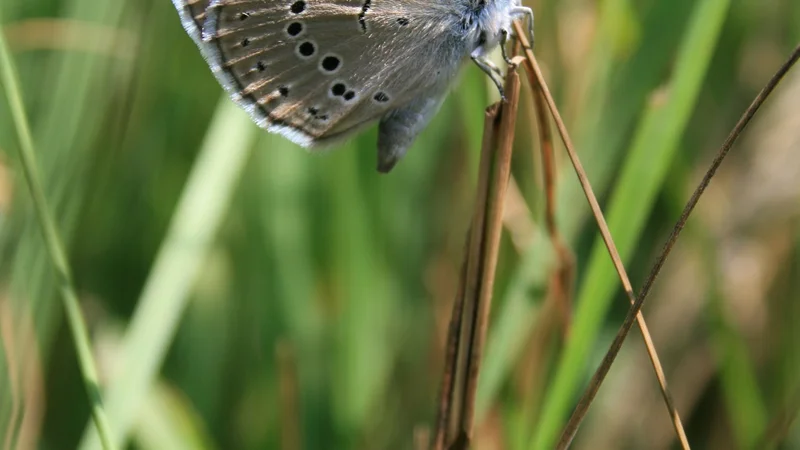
x=319 y=71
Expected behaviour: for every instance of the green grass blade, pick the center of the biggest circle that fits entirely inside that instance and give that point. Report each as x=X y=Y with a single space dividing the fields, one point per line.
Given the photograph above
x=654 y=145
x=74 y=93
x=285 y=177
x=198 y=215
x=55 y=247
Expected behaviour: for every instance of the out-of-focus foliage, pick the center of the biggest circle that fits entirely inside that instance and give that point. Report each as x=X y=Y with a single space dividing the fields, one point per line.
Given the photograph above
x=243 y=293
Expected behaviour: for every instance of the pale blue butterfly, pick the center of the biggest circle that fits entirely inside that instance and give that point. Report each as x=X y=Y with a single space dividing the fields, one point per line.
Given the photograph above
x=317 y=71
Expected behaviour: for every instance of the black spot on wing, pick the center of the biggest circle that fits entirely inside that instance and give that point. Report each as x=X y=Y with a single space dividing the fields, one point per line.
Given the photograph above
x=330 y=63
x=298 y=7
x=294 y=29
x=306 y=49
x=338 y=89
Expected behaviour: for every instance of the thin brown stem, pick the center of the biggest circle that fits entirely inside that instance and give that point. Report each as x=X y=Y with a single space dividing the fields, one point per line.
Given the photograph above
x=536 y=79
x=289 y=397
x=616 y=345
x=566 y=263
x=469 y=323
x=8 y=343
x=447 y=423
x=494 y=228
x=422 y=436
x=447 y=387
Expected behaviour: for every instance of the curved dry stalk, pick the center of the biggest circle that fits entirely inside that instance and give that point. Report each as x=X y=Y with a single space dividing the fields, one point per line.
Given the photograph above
x=633 y=312
x=537 y=82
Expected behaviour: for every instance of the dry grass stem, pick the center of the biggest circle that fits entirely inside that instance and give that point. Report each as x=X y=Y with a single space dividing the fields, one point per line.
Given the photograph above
x=447 y=422
x=289 y=397
x=517 y=218
x=565 y=271
x=422 y=437
x=469 y=322
x=24 y=377
x=491 y=239
x=633 y=312
x=537 y=82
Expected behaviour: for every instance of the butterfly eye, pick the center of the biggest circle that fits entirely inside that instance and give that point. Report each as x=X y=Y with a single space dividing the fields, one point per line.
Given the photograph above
x=243 y=16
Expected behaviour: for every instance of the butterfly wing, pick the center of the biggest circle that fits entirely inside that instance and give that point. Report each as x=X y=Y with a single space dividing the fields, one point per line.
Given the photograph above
x=316 y=70
x=192 y=14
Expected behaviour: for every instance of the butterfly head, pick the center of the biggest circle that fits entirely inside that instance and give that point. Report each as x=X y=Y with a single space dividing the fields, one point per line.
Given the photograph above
x=490 y=18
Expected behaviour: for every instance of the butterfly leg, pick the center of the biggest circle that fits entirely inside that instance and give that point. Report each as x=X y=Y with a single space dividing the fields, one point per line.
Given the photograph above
x=490 y=69
x=399 y=128
x=503 y=42
x=526 y=12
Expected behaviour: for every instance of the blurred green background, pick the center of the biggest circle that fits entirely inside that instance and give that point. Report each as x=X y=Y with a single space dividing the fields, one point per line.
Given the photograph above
x=243 y=293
